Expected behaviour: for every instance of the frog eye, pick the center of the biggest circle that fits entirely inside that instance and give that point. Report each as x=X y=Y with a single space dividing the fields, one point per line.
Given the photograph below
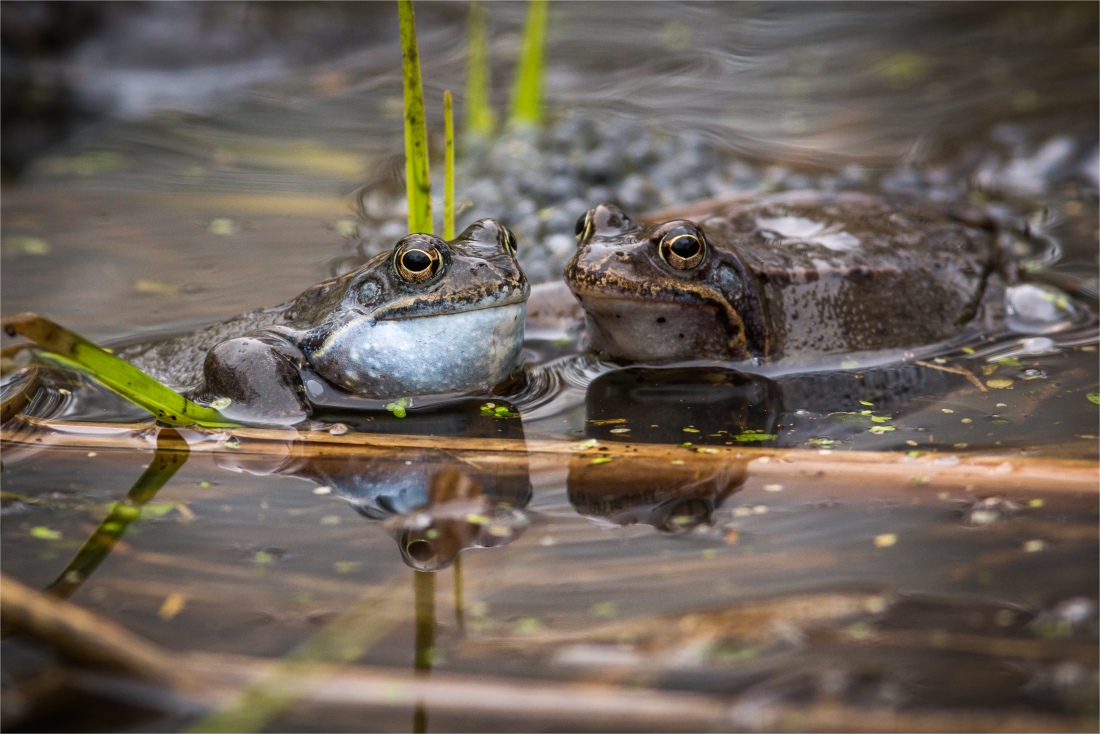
x=509 y=241
x=417 y=260
x=683 y=246
x=583 y=229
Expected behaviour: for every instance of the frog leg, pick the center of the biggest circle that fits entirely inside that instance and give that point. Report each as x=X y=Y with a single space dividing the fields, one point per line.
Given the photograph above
x=259 y=374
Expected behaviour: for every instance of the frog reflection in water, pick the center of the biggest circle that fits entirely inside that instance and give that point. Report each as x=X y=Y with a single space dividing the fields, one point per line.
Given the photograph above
x=793 y=274
x=434 y=503
x=428 y=318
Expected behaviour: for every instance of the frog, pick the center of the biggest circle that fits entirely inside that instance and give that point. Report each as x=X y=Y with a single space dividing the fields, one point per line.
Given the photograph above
x=798 y=273
x=429 y=317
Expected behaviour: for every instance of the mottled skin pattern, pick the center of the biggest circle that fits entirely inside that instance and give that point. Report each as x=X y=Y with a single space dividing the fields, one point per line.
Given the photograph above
x=792 y=274
x=452 y=324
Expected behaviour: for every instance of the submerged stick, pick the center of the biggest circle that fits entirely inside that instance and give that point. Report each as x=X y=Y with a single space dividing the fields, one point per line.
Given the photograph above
x=417 y=180
x=448 y=168
x=527 y=92
x=479 y=109
x=83 y=636
x=71 y=350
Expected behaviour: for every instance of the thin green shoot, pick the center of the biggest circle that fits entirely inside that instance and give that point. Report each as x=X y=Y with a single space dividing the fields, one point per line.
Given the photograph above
x=527 y=92
x=449 y=168
x=417 y=181
x=172 y=451
x=479 y=109
x=73 y=351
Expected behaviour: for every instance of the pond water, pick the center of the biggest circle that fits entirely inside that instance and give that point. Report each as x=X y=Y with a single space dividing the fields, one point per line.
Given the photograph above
x=866 y=543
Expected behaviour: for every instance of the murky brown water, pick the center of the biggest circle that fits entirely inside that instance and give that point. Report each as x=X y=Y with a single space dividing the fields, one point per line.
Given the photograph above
x=948 y=584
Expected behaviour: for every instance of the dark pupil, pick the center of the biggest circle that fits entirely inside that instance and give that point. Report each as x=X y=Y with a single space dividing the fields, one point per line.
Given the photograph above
x=581 y=221
x=511 y=242
x=685 y=246
x=416 y=261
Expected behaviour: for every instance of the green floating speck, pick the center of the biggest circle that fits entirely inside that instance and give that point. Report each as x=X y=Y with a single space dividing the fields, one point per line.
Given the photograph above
x=604 y=609
x=398 y=407
x=751 y=435
x=601 y=460
x=44 y=533
x=526 y=626
x=224 y=227
x=1094 y=397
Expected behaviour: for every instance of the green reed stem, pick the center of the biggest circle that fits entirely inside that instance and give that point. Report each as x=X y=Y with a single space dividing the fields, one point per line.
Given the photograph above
x=172 y=451
x=71 y=350
x=479 y=108
x=417 y=180
x=460 y=607
x=448 y=168
x=527 y=92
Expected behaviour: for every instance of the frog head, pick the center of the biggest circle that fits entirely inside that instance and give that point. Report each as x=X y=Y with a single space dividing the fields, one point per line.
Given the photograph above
x=428 y=317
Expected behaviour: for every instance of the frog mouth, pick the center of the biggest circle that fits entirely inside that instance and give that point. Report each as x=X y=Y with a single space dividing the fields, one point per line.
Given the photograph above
x=418 y=308
x=662 y=330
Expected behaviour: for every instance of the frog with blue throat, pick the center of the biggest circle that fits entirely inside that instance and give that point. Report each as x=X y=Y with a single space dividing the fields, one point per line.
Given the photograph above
x=796 y=274
x=430 y=317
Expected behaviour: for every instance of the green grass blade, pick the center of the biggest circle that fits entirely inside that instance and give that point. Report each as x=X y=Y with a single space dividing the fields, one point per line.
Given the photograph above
x=479 y=108
x=417 y=181
x=527 y=92
x=449 y=168
x=71 y=350
x=172 y=451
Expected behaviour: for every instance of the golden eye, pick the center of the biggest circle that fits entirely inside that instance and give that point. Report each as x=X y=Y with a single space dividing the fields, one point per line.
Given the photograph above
x=683 y=247
x=509 y=241
x=583 y=228
x=418 y=262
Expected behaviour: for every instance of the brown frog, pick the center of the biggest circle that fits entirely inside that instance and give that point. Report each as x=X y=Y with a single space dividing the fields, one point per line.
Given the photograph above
x=791 y=274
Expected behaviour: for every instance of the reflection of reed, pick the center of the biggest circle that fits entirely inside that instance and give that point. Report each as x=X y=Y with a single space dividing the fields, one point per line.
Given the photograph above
x=170 y=455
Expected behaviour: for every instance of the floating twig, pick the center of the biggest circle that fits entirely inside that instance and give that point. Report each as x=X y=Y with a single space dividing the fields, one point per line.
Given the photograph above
x=83 y=636
x=955 y=371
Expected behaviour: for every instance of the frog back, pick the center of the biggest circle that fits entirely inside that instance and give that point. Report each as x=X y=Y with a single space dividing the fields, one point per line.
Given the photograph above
x=851 y=272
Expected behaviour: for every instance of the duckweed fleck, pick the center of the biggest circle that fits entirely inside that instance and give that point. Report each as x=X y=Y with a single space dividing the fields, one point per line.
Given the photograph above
x=44 y=533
